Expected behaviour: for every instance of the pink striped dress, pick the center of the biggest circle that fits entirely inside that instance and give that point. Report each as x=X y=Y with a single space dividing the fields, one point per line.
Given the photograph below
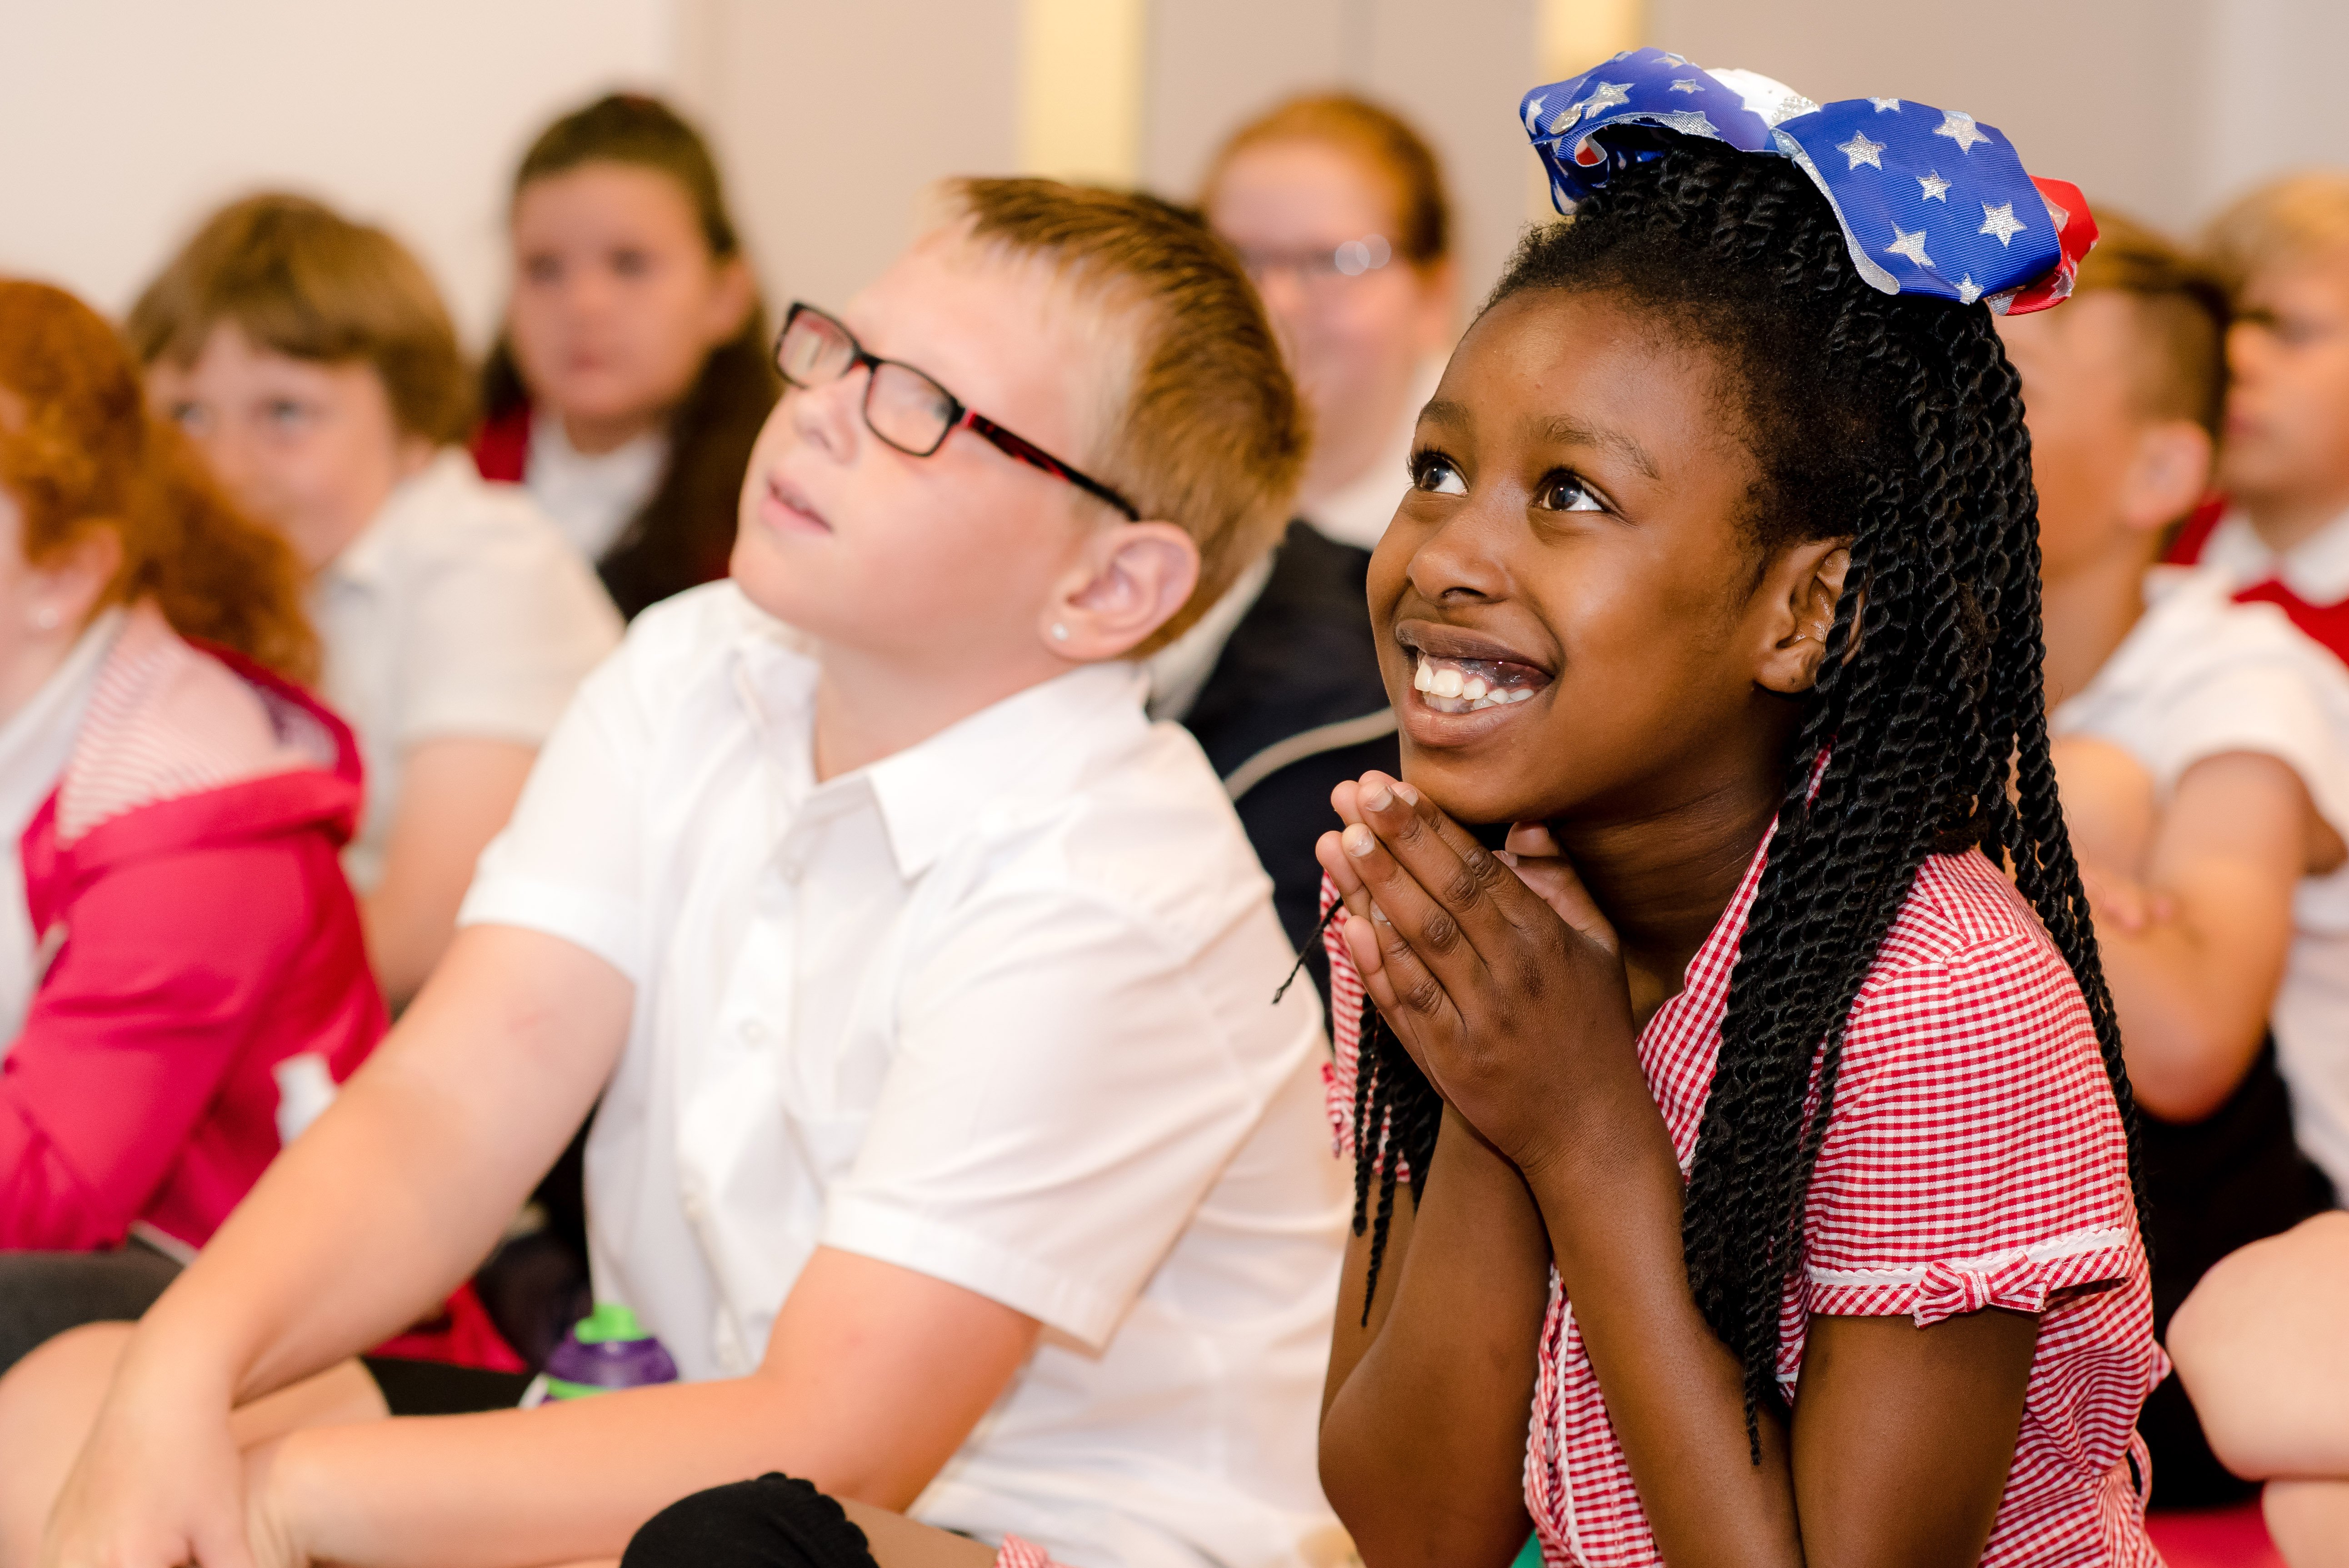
x=1975 y=1160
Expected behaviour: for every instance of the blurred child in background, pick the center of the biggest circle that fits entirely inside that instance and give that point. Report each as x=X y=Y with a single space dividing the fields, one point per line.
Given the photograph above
x=313 y=364
x=634 y=372
x=2282 y=253
x=2203 y=751
x=182 y=975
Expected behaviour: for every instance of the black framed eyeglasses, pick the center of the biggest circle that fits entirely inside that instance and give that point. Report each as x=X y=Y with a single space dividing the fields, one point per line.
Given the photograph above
x=903 y=406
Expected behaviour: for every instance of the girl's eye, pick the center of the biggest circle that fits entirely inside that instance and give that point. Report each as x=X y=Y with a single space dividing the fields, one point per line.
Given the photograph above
x=285 y=413
x=631 y=263
x=189 y=416
x=1564 y=492
x=542 y=270
x=1436 y=473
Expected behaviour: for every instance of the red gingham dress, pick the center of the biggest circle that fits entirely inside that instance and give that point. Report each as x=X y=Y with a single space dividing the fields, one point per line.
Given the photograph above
x=1975 y=1160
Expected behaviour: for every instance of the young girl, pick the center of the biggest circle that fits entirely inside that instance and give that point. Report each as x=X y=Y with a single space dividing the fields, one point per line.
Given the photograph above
x=1760 y=1136
x=310 y=358
x=634 y=373
x=182 y=977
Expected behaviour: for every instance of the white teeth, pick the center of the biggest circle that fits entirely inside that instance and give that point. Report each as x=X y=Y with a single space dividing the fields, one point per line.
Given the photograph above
x=1423 y=679
x=1447 y=683
x=1475 y=687
x=1522 y=693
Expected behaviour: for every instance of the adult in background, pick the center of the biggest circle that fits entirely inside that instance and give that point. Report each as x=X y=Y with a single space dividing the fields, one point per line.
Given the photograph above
x=635 y=370
x=1337 y=208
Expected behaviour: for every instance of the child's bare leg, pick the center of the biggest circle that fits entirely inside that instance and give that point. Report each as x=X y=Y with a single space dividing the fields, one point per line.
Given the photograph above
x=2309 y=1521
x=898 y=1541
x=49 y=1400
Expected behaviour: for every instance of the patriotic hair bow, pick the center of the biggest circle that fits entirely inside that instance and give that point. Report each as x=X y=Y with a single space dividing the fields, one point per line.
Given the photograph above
x=1906 y=180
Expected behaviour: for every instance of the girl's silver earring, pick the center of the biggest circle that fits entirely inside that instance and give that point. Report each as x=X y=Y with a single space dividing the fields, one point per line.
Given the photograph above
x=1060 y=633
x=46 y=618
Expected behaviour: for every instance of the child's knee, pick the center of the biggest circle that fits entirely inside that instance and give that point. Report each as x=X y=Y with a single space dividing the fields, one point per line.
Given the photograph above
x=48 y=1404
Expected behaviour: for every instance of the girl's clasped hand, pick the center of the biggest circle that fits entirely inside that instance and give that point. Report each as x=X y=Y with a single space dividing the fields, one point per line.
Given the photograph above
x=1497 y=973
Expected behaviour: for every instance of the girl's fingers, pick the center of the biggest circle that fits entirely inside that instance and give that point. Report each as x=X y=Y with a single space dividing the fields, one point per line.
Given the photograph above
x=1333 y=858
x=1534 y=854
x=1390 y=974
x=1423 y=953
x=1445 y=860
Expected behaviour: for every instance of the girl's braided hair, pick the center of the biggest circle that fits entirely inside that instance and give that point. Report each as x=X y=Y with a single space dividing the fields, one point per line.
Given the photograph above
x=1894 y=421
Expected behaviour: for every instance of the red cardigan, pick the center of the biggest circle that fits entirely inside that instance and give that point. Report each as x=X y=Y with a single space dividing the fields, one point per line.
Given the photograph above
x=198 y=941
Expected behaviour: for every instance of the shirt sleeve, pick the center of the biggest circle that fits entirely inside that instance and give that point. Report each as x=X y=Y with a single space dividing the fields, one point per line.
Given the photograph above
x=506 y=620
x=1976 y=1157
x=569 y=863
x=1065 y=1091
x=2260 y=694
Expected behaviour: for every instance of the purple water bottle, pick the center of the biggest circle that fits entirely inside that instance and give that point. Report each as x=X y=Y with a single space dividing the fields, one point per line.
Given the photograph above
x=606 y=1349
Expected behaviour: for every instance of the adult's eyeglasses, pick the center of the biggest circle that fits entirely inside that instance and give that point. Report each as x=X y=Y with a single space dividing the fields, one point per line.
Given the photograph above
x=1349 y=260
x=903 y=406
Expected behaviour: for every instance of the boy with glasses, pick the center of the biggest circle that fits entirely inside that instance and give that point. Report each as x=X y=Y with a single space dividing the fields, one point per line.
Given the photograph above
x=949 y=1140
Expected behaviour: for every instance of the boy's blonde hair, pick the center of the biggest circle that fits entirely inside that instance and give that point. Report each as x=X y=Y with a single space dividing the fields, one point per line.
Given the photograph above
x=2180 y=310
x=300 y=280
x=2295 y=218
x=1205 y=431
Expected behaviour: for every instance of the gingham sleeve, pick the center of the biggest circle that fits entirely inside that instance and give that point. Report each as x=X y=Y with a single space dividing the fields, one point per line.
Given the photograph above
x=1976 y=1157
x=1016 y=1553
x=1348 y=1007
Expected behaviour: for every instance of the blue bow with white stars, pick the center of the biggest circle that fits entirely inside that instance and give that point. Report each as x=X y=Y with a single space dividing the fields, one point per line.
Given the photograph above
x=1931 y=200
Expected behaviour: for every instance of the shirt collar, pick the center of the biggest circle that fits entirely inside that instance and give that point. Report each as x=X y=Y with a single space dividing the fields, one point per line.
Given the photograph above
x=2316 y=569
x=364 y=561
x=1034 y=745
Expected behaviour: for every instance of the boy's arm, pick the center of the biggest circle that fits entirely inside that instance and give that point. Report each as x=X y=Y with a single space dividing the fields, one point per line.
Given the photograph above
x=364 y=1221
x=2193 y=984
x=874 y=1375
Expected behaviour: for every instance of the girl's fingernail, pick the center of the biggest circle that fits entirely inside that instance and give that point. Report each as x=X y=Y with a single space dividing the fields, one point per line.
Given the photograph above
x=1379 y=915
x=1378 y=797
x=1408 y=793
x=1358 y=841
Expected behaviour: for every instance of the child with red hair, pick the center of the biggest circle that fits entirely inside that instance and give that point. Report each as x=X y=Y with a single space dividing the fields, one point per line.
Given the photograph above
x=182 y=977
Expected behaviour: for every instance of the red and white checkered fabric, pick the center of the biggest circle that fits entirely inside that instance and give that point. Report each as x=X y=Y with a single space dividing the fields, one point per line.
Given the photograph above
x=1016 y=1553
x=1975 y=1159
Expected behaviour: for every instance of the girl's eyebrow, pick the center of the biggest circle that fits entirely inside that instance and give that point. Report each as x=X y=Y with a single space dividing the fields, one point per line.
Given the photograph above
x=1566 y=430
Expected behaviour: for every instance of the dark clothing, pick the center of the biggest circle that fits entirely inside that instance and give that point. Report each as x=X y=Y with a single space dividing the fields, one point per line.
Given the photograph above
x=42 y=1295
x=774 y=1521
x=2215 y=1185
x=441 y=1388
x=1294 y=705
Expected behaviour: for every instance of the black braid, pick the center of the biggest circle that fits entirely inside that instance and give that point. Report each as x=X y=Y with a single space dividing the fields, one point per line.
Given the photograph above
x=1895 y=421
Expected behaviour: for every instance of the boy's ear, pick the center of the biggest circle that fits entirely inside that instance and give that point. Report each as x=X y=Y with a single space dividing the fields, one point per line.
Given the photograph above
x=1125 y=582
x=1799 y=597
x=2168 y=474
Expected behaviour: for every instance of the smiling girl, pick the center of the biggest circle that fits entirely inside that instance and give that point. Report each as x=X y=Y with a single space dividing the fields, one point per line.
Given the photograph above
x=1756 y=1132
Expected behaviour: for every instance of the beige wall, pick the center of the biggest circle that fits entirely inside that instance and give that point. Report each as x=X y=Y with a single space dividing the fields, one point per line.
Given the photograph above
x=2163 y=106
x=122 y=122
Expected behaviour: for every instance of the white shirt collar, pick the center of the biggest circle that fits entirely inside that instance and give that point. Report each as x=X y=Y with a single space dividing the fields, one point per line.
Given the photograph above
x=1032 y=744
x=362 y=563
x=591 y=497
x=1358 y=513
x=2316 y=569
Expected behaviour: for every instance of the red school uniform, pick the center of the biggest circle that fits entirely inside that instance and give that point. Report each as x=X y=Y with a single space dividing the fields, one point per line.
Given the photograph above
x=1975 y=1159
x=2309 y=583
x=184 y=877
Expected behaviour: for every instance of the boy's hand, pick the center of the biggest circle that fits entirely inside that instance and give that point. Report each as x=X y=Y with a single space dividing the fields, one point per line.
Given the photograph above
x=1502 y=980
x=157 y=1486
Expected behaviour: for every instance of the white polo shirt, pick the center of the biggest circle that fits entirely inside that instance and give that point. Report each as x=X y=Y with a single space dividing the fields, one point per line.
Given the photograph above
x=459 y=613
x=2200 y=675
x=996 y=1008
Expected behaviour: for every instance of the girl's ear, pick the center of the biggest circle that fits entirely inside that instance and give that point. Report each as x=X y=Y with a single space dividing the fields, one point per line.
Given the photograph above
x=1798 y=597
x=1126 y=583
